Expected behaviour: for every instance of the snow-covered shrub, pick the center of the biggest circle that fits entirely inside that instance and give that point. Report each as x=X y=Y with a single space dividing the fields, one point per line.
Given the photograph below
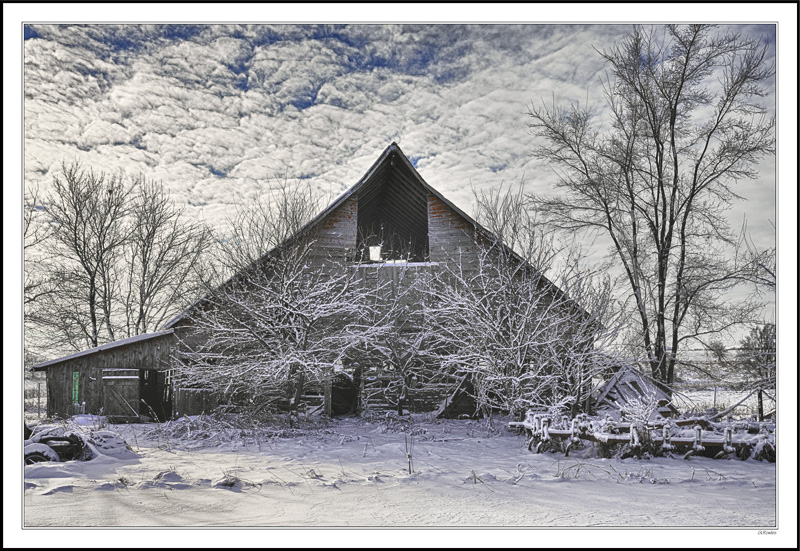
x=764 y=449
x=201 y=431
x=109 y=443
x=524 y=343
x=232 y=482
x=638 y=411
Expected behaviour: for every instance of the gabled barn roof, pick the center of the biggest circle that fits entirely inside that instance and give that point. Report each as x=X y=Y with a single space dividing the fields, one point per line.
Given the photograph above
x=391 y=167
x=392 y=172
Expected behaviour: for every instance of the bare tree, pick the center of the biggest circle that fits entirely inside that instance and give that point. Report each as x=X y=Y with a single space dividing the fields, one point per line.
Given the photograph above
x=290 y=320
x=684 y=126
x=759 y=266
x=512 y=221
x=111 y=259
x=524 y=342
x=393 y=331
x=273 y=329
x=87 y=212
x=275 y=319
x=35 y=229
x=261 y=225
x=38 y=280
x=525 y=339
x=161 y=259
x=36 y=233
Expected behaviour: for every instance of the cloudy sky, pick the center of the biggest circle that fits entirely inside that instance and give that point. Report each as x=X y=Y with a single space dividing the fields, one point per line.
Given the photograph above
x=216 y=111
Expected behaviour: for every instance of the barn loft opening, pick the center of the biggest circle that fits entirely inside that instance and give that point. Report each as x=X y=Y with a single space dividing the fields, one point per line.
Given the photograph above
x=392 y=216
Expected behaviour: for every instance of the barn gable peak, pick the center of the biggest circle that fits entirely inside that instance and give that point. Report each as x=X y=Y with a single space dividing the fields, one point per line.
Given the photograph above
x=392 y=200
x=393 y=209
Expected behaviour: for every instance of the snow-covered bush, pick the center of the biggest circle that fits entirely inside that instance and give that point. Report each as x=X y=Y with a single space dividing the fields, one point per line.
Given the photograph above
x=639 y=410
x=524 y=343
x=267 y=335
x=764 y=449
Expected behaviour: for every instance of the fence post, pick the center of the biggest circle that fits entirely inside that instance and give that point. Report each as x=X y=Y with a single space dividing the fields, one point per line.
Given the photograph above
x=39 y=401
x=328 y=396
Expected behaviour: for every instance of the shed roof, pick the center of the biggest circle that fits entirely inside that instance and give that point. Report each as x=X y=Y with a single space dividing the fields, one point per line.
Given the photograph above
x=102 y=347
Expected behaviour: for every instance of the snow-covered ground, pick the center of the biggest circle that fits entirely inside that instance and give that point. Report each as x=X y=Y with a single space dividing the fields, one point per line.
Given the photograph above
x=703 y=398
x=355 y=473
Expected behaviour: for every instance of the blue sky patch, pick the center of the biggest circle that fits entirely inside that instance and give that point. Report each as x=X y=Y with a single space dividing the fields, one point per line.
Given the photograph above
x=305 y=101
x=181 y=32
x=241 y=83
x=121 y=43
x=29 y=32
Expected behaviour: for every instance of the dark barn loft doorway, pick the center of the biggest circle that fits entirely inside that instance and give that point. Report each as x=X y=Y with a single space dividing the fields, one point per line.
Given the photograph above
x=392 y=217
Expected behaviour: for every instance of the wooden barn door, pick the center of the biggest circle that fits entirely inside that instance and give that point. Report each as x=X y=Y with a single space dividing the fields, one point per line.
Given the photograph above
x=155 y=391
x=121 y=393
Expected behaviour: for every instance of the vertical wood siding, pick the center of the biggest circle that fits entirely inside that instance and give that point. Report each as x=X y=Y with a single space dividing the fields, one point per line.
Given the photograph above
x=148 y=354
x=451 y=238
x=335 y=240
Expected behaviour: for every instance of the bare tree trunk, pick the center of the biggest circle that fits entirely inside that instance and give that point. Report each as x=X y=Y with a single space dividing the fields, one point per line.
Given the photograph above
x=760 y=404
x=298 y=392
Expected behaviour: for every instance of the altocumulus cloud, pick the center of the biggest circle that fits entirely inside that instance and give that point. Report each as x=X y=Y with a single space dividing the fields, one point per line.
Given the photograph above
x=215 y=111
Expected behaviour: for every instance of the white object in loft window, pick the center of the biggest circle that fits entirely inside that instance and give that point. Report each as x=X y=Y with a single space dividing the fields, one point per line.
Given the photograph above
x=375 y=253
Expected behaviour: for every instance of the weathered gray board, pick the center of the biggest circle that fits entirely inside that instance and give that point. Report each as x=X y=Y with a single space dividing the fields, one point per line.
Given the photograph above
x=121 y=393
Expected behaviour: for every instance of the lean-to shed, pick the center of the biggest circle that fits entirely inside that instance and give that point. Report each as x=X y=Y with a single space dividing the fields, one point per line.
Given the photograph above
x=122 y=379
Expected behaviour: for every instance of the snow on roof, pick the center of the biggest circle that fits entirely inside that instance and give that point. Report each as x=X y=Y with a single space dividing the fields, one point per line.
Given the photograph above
x=107 y=346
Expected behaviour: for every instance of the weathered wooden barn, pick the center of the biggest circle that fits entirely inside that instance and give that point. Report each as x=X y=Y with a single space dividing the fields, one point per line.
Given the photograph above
x=124 y=379
x=390 y=219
